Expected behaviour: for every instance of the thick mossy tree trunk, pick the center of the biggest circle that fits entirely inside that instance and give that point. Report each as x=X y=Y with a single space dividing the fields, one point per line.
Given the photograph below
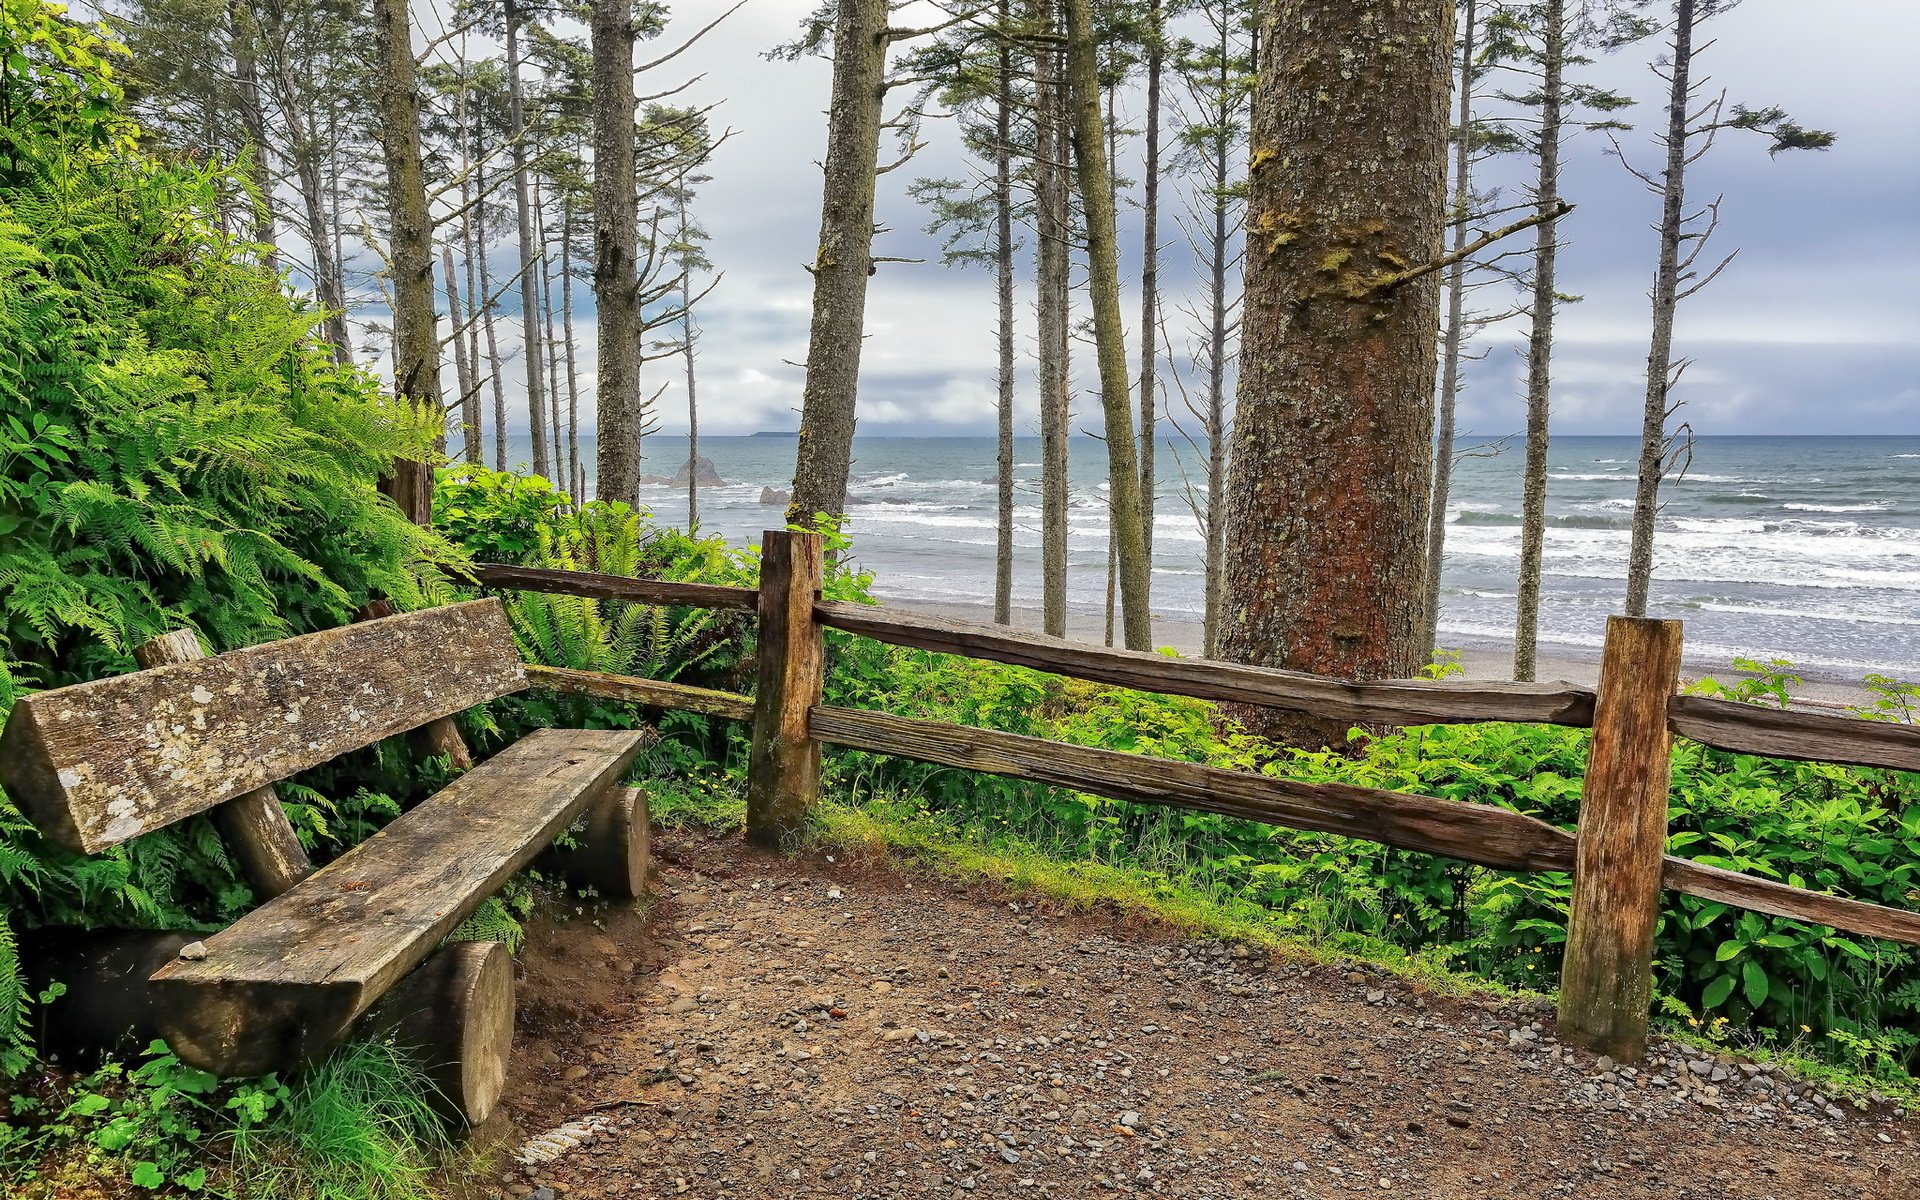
x=1052 y=231
x=843 y=261
x=616 y=258
x=1332 y=446
x=530 y=301
x=1109 y=335
x=416 y=328
x=1546 y=199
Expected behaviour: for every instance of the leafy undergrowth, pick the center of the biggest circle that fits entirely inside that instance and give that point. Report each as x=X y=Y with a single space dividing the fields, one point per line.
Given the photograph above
x=358 y=1126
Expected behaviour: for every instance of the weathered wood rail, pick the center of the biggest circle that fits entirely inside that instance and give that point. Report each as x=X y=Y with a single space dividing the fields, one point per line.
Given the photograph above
x=1617 y=855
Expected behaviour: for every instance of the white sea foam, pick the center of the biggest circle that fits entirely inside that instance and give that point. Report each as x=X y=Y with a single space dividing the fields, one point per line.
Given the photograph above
x=1873 y=506
x=1852 y=616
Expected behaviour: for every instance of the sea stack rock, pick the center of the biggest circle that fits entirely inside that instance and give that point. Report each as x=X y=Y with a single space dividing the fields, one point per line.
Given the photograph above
x=703 y=474
x=774 y=497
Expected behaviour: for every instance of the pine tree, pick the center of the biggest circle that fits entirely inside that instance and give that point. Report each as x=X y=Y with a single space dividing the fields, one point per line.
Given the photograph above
x=1694 y=122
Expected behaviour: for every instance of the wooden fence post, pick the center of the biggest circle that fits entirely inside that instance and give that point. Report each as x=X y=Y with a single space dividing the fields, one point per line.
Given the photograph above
x=1606 y=982
x=253 y=823
x=783 y=770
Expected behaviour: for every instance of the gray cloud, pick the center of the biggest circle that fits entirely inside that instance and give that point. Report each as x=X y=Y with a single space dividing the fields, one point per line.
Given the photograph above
x=1810 y=331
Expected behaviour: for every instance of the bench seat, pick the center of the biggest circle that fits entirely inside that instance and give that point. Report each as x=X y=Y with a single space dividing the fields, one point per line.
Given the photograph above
x=285 y=981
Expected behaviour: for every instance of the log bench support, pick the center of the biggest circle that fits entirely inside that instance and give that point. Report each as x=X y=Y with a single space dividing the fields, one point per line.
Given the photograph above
x=1606 y=979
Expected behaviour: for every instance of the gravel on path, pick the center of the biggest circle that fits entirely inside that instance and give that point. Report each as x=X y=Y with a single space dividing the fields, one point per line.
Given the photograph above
x=815 y=1028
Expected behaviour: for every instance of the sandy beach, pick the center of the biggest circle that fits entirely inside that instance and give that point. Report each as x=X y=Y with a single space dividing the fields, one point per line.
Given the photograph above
x=1481 y=659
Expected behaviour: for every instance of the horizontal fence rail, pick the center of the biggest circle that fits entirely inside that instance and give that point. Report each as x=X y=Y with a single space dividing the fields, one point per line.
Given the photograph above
x=651 y=692
x=1475 y=833
x=1387 y=702
x=666 y=592
x=1785 y=733
x=1617 y=870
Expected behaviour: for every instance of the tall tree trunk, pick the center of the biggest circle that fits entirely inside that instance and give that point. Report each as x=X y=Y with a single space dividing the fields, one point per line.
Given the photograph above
x=463 y=371
x=470 y=214
x=559 y=475
x=244 y=32
x=843 y=262
x=1219 y=252
x=305 y=151
x=693 y=403
x=1455 y=335
x=1003 y=297
x=1533 y=498
x=575 y=479
x=1150 y=286
x=1053 y=229
x=1103 y=286
x=416 y=330
x=530 y=304
x=1333 y=441
x=681 y=200
x=1666 y=296
x=616 y=256
x=496 y=374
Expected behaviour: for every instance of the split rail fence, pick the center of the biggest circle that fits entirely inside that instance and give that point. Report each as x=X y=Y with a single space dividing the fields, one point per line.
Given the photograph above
x=1617 y=858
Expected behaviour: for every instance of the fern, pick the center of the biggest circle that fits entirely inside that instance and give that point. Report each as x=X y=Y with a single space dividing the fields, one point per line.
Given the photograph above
x=176 y=449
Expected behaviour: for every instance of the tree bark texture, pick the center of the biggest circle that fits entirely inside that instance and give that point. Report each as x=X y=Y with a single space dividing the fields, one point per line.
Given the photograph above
x=1332 y=446
x=1546 y=246
x=1666 y=297
x=555 y=431
x=1150 y=287
x=1455 y=335
x=244 y=35
x=1003 y=297
x=530 y=305
x=416 y=326
x=576 y=478
x=686 y=350
x=616 y=256
x=843 y=261
x=1053 y=229
x=328 y=287
x=1218 y=259
x=463 y=368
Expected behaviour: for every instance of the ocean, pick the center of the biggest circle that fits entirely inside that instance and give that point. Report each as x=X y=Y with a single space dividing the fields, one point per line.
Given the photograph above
x=1800 y=548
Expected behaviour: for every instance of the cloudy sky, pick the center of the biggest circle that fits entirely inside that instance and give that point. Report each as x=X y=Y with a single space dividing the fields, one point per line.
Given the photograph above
x=1815 y=328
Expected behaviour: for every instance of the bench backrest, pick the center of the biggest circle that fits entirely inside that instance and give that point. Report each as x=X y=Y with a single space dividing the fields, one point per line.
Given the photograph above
x=97 y=763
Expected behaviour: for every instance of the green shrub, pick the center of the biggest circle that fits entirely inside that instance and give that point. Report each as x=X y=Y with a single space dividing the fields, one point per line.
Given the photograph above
x=175 y=451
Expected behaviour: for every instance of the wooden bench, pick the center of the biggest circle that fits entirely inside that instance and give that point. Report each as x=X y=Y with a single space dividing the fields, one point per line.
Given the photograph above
x=98 y=763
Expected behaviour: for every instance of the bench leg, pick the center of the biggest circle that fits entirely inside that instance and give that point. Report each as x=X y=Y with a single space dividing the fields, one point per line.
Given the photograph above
x=615 y=850
x=454 y=1013
x=106 y=1008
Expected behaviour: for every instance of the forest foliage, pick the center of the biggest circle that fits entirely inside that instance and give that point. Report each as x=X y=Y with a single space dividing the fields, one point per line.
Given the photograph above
x=177 y=450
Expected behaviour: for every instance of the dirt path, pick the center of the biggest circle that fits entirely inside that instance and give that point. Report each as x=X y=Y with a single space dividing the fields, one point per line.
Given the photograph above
x=816 y=1029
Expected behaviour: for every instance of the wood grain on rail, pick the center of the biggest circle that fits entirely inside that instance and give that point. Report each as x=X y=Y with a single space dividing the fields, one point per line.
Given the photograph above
x=1391 y=702
x=653 y=693
x=1789 y=733
x=615 y=587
